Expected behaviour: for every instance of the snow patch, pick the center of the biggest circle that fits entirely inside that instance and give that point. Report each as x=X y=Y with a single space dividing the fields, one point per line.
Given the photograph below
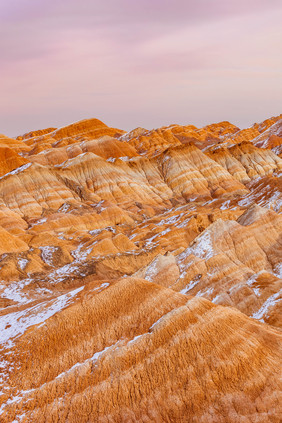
x=14 y=291
x=135 y=338
x=207 y=292
x=204 y=247
x=184 y=223
x=96 y=356
x=151 y=271
x=64 y=208
x=150 y=240
x=22 y=263
x=15 y=324
x=170 y=220
x=191 y=285
x=271 y=301
x=47 y=254
x=81 y=256
x=60 y=274
x=101 y=287
x=16 y=398
x=252 y=280
x=18 y=170
x=216 y=298
x=278 y=271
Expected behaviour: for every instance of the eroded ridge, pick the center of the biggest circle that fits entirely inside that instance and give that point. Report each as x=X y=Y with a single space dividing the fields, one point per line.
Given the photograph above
x=141 y=274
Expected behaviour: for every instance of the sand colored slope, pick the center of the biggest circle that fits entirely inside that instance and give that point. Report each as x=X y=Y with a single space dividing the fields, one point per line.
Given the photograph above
x=141 y=352
x=141 y=274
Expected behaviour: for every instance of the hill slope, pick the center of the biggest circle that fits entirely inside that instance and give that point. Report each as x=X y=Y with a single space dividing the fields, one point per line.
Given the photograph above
x=141 y=274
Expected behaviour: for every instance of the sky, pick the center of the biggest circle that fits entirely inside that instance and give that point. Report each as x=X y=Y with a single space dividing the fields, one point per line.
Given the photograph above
x=137 y=63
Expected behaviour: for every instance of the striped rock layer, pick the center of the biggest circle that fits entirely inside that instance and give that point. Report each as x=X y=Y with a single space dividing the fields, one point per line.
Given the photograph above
x=141 y=274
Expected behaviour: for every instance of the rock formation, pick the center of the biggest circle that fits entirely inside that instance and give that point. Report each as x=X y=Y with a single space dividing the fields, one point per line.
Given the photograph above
x=141 y=274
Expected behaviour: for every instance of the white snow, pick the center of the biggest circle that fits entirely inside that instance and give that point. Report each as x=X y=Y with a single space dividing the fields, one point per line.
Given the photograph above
x=47 y=254
x=166 y=158
x=150 y=240
x=135 y=338
x=273 y=201
x=257 y=292
x=5 y=368
x=14 y=399
x=151 y=271
x=271 y=301
x=96 y=356
x=158 y=321
x=214 y=300
x=188 y=287
x=60 y=274
x=226 y=206
x=170 y=220
x=81 y=256
x=113 y=159
x=278 y=271
x=22 y=263
x=14 y=291
x=207 y=292
x=101 y=287
x=64 y=208
x=204 y=247
x=252 y=280
x=39 y=222
x=95 y=231
x=18 y=170
x=15 y=324
x=3 y=256
x=184 y=223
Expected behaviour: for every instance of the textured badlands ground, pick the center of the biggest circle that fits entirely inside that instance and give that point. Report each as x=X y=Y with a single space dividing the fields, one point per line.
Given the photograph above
x=140 y=274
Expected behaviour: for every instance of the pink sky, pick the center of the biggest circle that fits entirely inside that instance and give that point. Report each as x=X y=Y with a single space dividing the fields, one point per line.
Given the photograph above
x=139 y=62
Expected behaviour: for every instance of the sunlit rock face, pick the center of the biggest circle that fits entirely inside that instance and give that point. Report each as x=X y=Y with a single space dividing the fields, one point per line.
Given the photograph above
x=141 y=274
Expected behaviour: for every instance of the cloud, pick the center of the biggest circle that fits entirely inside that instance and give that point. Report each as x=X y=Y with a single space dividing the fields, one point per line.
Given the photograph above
x=132 y=62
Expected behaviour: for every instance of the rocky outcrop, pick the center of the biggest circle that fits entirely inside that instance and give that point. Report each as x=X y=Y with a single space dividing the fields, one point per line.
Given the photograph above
x=135 y=349
x=140 y=274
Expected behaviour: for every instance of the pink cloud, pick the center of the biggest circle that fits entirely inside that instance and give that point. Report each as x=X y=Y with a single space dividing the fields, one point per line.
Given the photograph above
x=133 y=63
